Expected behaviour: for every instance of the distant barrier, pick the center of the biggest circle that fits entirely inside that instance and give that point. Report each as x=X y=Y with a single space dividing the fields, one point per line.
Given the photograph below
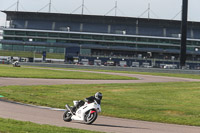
x=117 y=68
x=4 y=62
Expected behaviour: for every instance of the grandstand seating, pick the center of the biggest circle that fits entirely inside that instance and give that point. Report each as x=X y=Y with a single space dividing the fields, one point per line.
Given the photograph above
x=18 y=24
x=63 y=26
x=92 y=27
x=173 y=32
x=151 y=31
x=114 y=25
x=42 y=25
x=146 y=30
x=128 y=29
x=196 y=33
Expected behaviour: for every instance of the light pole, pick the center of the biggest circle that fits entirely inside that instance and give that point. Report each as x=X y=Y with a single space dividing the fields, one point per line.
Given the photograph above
x=34 y=56
x=183 y=33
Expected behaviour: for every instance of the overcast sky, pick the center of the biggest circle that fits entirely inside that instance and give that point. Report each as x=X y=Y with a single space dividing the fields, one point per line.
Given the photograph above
x=162 y=9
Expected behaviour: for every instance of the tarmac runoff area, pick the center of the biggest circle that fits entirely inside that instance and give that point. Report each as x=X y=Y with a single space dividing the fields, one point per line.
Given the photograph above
x=45 y=115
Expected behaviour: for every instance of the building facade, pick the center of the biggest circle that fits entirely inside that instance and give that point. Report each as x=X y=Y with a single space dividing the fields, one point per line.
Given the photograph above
x=104 y=38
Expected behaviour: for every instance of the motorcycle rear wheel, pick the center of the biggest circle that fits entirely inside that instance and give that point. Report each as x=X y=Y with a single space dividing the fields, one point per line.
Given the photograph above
x=90 y=117
x=67 y=116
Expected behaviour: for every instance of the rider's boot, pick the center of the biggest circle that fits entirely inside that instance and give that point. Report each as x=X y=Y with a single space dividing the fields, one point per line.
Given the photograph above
x=74 y=109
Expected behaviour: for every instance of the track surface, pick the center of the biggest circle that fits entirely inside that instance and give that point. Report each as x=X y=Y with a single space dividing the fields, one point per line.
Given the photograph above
x=142 y=79
x=105 y=124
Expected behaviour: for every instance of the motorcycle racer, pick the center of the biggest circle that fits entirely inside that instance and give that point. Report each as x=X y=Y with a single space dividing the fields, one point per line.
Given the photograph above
x=97 y=97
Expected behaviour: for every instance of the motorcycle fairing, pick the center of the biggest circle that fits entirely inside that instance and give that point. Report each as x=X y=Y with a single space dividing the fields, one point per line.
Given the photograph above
x=82 y=110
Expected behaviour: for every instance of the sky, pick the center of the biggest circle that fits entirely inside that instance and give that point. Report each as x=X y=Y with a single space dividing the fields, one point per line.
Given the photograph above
x=159 y=9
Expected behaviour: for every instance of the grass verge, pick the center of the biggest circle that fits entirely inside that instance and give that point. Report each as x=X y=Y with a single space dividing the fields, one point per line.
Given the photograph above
x=6 y=71
x=27 y=54
x=160 y=102
x=180 y=75
x=14 y=126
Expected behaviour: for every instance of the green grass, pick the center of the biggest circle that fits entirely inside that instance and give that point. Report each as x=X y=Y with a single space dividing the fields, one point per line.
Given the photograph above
x=160 y=102
x=20 y=72
x=14 y=126
x=180 y=75
x=30 y=54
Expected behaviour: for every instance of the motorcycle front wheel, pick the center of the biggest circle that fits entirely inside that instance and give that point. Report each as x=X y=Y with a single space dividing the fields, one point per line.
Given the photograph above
x=90 y=117
x=67 y=116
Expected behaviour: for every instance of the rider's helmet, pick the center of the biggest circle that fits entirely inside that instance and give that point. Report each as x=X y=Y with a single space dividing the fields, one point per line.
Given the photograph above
x=98 y=95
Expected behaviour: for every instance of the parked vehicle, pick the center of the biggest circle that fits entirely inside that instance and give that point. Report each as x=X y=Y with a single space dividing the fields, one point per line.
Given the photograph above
x=5 y=59
x=170 y=66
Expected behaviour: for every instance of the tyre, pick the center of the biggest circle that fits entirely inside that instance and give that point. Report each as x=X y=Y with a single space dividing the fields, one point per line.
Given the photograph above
x=67 y=116
x=90 y=117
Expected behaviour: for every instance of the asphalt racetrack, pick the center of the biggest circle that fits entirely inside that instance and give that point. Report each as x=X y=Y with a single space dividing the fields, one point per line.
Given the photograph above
x=106 y=124
x=142 y=79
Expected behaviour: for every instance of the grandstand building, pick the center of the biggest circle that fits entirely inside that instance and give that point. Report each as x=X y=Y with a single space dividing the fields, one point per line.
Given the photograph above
x=101 y=39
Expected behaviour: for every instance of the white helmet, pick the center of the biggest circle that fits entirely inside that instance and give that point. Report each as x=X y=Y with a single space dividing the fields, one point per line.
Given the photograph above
x=98 y=95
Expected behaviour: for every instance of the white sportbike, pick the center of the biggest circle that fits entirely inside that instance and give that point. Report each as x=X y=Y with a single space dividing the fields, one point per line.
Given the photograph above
x=87 y=113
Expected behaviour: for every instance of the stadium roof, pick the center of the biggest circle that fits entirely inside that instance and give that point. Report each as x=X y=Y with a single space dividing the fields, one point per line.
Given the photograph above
x=12 y=15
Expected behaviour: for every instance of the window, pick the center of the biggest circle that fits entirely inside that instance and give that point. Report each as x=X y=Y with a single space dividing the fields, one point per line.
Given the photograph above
x=9 y=32
x=64 y=35
x=86 y=36
x=109 y=38
x=20 y=33
x=42 y=34
x=75 y=36
x=18 y=48
x=29 y=48
x=31 y=33
x=131 y=39
x=142 y=39
x=120 y=38
x=53 y=34
x=95 y=37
